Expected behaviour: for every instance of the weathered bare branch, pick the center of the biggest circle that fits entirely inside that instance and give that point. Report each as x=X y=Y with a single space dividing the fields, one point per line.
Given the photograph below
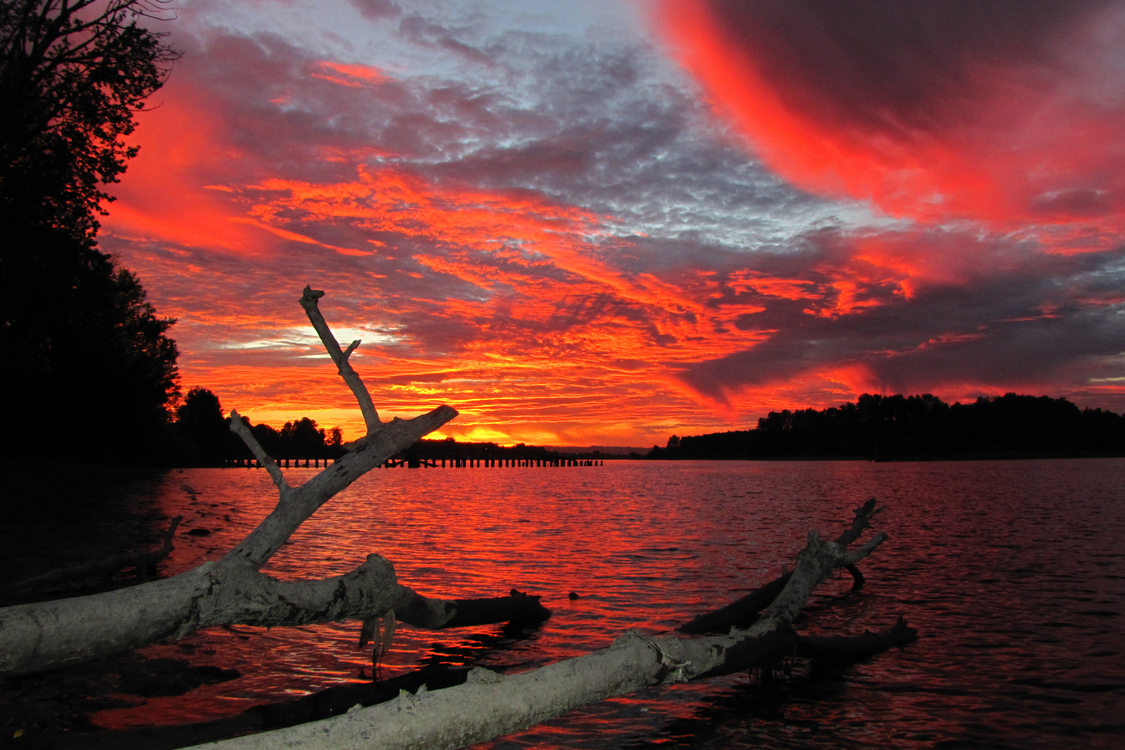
x=309 y=301
x=239 y=426
x=36 y=637
x=489 y=705
x=854 y=556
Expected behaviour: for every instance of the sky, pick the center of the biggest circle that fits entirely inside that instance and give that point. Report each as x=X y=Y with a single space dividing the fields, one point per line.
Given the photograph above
x=607 y=222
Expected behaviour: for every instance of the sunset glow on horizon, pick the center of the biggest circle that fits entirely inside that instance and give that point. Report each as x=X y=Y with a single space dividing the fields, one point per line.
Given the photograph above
x=605 y=223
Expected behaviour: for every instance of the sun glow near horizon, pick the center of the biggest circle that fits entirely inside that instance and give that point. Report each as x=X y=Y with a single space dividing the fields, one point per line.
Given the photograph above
x=580 y=229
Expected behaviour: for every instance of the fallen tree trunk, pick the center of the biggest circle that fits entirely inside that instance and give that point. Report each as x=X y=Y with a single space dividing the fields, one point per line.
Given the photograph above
x=59 y=632
x=42 y=636
x=489 y=705
x=433 y=676
x=36 y=637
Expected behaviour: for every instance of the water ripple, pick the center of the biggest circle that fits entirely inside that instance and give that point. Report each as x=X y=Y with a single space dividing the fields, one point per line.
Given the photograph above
x=1012 y=572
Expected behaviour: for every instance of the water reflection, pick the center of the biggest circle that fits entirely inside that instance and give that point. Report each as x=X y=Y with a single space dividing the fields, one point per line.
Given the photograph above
x=1012 y=571
x=62 y=516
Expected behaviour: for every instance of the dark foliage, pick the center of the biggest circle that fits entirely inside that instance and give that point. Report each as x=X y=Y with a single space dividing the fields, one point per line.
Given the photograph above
x=72 y=75
x=433 y=452
x=887 y=427
x=300 y=439
x=201 y=436
x=89 y=370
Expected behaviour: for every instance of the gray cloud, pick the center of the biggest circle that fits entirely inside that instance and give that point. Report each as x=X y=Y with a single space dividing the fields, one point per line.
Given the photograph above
x=698 y=262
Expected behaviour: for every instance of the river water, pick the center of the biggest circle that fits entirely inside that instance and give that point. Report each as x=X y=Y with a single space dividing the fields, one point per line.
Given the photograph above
x=1012 y=571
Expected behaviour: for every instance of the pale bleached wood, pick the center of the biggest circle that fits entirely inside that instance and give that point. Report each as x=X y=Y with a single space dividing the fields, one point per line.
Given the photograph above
x=46 y=635
x=310 y=301
x=239 y=426
x=55 y=633
x=489 y=705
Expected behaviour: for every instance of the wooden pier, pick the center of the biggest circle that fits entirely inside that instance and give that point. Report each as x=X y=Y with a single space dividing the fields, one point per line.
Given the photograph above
x=429 y=463
x=489 y=463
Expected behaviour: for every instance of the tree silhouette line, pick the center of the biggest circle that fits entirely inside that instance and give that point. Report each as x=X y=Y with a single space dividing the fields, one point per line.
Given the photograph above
x=201 y=436
x=899 y=427
x=88 y=368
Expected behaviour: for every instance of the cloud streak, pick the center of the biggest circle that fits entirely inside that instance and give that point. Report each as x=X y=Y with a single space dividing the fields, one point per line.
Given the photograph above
x=991 y=111
x=548 y=223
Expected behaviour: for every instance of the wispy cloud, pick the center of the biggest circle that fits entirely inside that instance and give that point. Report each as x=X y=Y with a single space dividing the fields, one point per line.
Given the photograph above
x=549 y=224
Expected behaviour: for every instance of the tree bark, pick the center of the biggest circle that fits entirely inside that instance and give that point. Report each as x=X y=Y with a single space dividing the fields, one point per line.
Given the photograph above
x=42 y=636
x=35 y=637
x=489 y=705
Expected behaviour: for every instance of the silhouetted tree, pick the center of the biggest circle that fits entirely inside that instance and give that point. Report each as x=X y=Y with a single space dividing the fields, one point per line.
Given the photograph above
x=205 y=436
x=296 y=439
x=303 y=439
x=72 y=75
x=899 y=426
x=269 y=438
x=89 y=369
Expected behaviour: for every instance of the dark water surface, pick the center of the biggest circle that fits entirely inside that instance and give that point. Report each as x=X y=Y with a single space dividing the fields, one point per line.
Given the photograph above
x=1013 y=572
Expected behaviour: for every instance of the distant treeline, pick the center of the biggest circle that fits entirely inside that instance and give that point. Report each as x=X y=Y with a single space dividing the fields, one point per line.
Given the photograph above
x=437 y=450
x=201 y=436
x=897 y=427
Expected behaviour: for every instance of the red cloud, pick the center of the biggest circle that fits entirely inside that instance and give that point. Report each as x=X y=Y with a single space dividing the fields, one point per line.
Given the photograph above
x=545 y=320
x=351 y=75
x=1004 y=112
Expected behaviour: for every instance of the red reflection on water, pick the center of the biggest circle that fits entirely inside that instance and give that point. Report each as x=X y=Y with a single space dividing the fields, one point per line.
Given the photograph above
x=635 y=552
x=989 y=560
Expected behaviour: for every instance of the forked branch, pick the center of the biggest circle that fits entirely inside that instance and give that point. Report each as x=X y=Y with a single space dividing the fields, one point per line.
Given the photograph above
x=383 y=440
x=36 y=637
x=309 y=301
x=239 y=426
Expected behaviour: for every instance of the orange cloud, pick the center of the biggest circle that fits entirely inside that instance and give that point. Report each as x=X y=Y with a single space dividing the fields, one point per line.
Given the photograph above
x=352 y=75
x=919 y=109
x=488 y=257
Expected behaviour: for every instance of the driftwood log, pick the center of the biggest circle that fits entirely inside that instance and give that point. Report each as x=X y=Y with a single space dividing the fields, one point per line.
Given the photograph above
x=490 y=705
x=754 y=631
x=433 y=675
x=41 y=636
